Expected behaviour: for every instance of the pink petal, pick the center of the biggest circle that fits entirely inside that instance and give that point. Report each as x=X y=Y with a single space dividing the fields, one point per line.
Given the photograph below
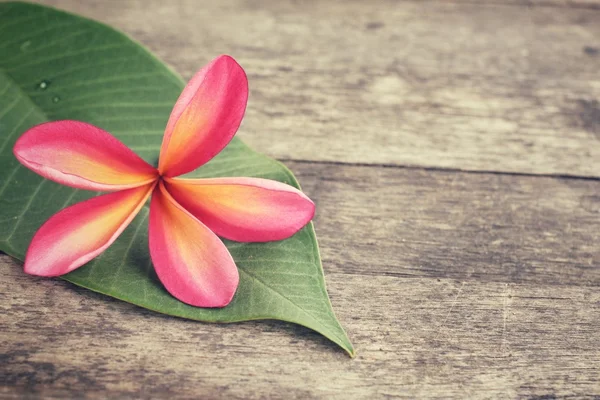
x=191 y=261
x=205 y=117
x=83 y=156
x=76 y=234
x=244 y=209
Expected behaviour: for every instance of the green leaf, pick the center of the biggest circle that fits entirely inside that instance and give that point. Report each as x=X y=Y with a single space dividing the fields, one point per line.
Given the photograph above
x=55 y=65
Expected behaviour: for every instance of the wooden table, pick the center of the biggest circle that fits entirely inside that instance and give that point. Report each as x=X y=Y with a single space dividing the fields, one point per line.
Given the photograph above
x=452 y=148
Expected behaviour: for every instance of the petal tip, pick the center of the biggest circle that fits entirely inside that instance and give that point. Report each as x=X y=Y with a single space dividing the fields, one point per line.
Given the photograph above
x=225 y=57
x=312 y=209
x=220 y=300
x=35 y=266
x=190 y=296
x=30 y=269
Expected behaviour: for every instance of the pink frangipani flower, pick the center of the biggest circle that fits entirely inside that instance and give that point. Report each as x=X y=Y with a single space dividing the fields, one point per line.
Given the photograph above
x=186 y=215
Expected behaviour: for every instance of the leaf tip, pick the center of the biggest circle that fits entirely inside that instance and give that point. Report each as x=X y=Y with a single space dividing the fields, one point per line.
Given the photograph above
x=351 y=352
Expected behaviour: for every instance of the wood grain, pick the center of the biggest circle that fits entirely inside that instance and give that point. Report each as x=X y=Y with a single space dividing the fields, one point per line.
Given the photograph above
x=449 y=284
x=488 y=227
x=485 y=87
x=593 y=4
x=416 y=338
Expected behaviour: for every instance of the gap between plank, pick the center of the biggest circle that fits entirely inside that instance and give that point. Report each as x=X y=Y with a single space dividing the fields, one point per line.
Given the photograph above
x=523 y=3
x=441 y=169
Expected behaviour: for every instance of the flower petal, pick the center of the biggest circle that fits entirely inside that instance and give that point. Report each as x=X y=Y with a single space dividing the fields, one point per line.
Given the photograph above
x=244 y=209
x=76 y=234
x=205 y=117
x=83 y=156
x=191 y=261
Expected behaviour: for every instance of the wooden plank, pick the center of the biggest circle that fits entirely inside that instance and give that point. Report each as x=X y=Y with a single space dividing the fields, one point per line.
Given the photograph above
x=415 y=338
x=450 y=285
x=488 y=227
x=593 y=4
x=435 y=84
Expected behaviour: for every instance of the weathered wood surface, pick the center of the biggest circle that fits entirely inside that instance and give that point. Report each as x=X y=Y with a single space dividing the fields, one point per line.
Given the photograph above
x=486 y=227
x=450 y=284
x=593 y=4
x=436 y=84
x=416 y=338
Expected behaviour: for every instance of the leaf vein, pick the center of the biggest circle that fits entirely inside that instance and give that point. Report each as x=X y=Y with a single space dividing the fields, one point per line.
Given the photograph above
x=326 y=325
x=25 y=209
x=15 y=129
x=65 y=55
x=47 y=45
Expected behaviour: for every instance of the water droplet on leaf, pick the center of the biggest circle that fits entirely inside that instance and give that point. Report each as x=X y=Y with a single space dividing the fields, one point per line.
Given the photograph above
x=43 y=85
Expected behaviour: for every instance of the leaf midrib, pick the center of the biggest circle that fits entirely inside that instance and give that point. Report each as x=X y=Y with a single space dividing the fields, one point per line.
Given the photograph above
x=331 y=334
